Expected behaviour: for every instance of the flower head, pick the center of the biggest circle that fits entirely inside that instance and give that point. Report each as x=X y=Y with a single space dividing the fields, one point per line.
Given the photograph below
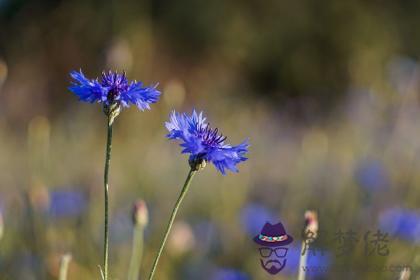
x=113 y=89
x=203 y=143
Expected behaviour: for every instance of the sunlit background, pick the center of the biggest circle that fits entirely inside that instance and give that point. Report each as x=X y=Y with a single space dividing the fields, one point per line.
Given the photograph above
x=327 y=92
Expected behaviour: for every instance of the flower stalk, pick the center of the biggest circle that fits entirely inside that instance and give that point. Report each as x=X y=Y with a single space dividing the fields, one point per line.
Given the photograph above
x=303 y=260
x=136 y=253
x=106 y=192
x=172 y=218
x=64 y=266
x=309 y=236
x=140 y=220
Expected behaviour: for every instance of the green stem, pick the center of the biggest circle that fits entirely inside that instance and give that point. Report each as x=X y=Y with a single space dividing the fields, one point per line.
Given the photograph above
x=171 y=220
x=64 y=265
x=302 y=261
x=106 y=171
x=136 y=253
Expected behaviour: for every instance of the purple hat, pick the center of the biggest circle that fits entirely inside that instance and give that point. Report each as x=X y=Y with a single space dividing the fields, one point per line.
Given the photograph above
x=273 y=236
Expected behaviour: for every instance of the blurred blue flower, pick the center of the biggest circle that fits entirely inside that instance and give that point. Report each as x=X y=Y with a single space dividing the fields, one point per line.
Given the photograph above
x=204 y=143
x=229 y=274
x=121 y=226
x=64 y=204
x=113 y=88
x=402 y=223
x=372 y=175
x=317 y=262
x=253 y=217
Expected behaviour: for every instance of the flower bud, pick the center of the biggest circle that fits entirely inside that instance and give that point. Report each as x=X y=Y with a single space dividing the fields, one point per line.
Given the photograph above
x=197 y=164
x=112 y=111
x=405 y=274
x=140 y=213
x=311 y=224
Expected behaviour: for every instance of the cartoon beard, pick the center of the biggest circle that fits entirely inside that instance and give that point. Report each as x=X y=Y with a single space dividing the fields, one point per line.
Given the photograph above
x=275 y=266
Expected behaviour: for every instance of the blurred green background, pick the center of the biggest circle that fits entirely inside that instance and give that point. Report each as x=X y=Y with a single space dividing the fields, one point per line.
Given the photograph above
x=327 y=92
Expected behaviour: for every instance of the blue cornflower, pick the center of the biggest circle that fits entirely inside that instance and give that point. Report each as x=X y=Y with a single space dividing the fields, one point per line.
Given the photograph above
x=113 y=89
x=253 y=217
x=401 y=222
x=66 y=204
x=203 y=143
x=372 y=175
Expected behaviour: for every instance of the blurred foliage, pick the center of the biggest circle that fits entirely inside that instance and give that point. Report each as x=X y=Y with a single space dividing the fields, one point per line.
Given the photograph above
x=279 y=49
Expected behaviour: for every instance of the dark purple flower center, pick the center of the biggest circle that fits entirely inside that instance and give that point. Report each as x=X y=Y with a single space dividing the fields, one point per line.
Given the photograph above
x=210 y=136
x=116 y=83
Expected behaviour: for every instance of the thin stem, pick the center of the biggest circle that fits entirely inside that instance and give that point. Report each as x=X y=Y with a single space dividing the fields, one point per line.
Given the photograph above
x=106 y=171
x=64 y=265
x=171 y=220
x=136 y=253
x=302 y=261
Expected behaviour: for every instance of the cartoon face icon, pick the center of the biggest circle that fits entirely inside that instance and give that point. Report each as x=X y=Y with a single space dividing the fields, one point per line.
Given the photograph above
x=273 y=260
x=273 y=240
